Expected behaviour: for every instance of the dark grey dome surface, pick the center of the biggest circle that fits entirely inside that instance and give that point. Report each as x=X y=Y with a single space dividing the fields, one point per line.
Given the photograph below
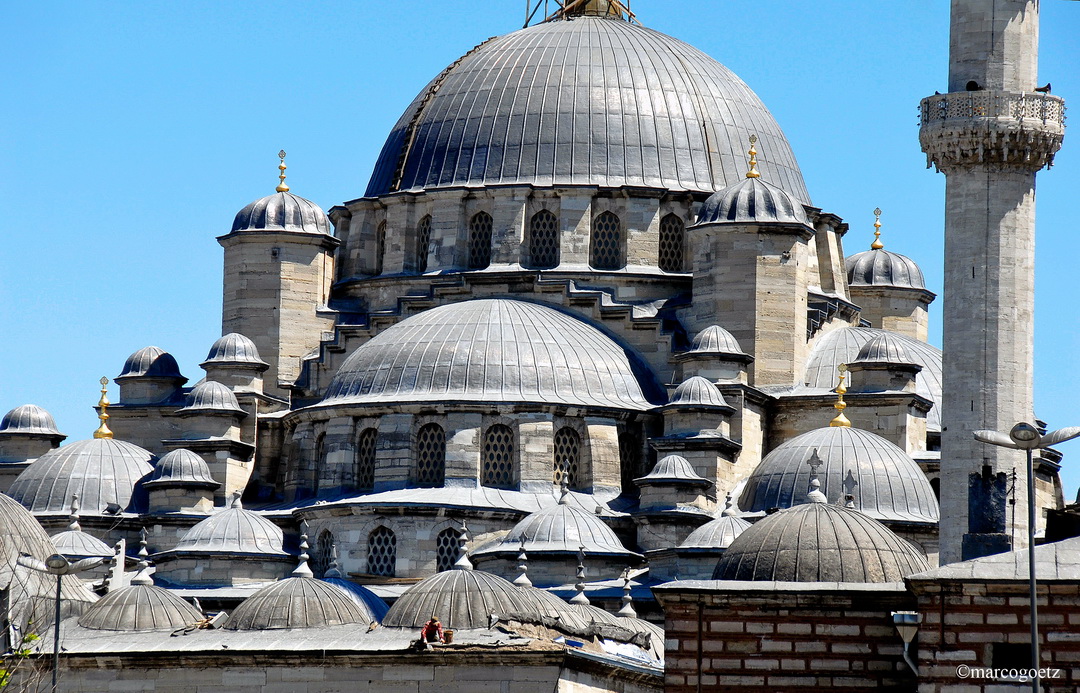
x=843 y=345
x=234 y=348
x=181 y=468
x=100 y=471
x=697 y=391
x=753 y=201
x=151 y=362
x=818 y=542
x=715 y=340
x=672 y=469
x=75 y=544
x=560 y=528
x=364 y=598
x=233 y=530
x=297 y=602
x=282 y=211
x=140 y=608
x=891 y=486
x=715 y=534
x=883 y=268
x=211 y=397
x=589 y=101
x=884 y=348
x=494 y=350
x=29 y=419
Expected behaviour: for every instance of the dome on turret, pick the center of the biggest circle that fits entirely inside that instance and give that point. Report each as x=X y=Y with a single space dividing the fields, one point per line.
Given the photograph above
x=752 y=201
x=880 y=267
x=209 y=397
x=885 y=348
x=181 y=468
x=715 y=340
x=234 y=349
x=151 y=362
x=697 y=391
x=672 y=469
x=29 y=419
x=715 y=534
x=282 y=211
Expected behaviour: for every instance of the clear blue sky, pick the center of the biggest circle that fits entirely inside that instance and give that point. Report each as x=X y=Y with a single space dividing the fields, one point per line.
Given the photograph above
x=133 y=132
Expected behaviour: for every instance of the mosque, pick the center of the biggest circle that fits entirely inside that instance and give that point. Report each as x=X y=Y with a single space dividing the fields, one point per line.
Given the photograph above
x=584 y=362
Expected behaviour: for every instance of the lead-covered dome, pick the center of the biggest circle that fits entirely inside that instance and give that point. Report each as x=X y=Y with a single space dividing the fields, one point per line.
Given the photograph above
x=753 y=201
x=233 y=530
x=210 y=397
x=234 y=349
x=561 y=528
x=298 y=602
x=151 y=362
x=584 y=101
x=716 y=534
x=140 y=607
x=880 y=267
x=29 y=419
x=494 y=350
x=282 y=211
x=181 y=468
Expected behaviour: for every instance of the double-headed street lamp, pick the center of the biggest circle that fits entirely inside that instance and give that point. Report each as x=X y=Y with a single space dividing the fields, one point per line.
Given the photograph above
x=1026 y=437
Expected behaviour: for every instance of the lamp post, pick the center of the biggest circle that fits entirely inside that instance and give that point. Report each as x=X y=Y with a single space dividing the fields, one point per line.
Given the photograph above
x=1026 y=437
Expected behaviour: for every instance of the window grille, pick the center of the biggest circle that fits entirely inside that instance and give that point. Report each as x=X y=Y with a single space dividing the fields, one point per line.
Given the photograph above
x=320 y=557
x=380 y=247
x=423 y=243
x=630 y=459
x=480 y=241
x=365 y=459
x=544 y=240
x=446 y=549
x=567 y=448
x=672 y=244
x=382 y=552
x=498 y=462
x=605 y=247
x=430 y=455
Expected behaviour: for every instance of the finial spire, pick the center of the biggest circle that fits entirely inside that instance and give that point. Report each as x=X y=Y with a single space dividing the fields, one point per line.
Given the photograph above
x=564 y=484
x=840 y=420
x=815 y=495
x=877 y=244
x=103 y=415
x=849 y=490
x=580 y=597
x=333 y=570
x=73 y=518
x=729 y=506
x=281 y=176
x=143 y=576
x=753 y=172
x=523 y=565
x=303 y=569
x=463 y=562
x=627 y=610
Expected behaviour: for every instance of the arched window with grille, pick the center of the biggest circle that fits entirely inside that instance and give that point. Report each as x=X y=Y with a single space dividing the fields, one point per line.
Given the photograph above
x=446 y=549
x=606 y=246
x=430 y=455
x=497 y=462
x=423 y=243
x=480 y=240
x=380 y=247
x=672 y=245
x=320 y=555
x=365 y=459
x=382 y=552
x=318 y=463
x=567 y=457
x=543 y=240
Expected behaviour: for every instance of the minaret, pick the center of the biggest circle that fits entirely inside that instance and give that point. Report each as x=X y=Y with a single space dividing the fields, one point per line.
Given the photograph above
x=989 y=134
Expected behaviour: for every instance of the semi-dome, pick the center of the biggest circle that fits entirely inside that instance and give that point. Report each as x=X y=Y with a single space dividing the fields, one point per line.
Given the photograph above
x=753 y=201
x=29 y=419
x=494 y=350
x=843 y=346
x=889 y=485
x=818 y=542
x=140 y=607
x=210 y=397
x=697 y=391
x=282 y=211
x=880 y=267
x=297 y=602
x=652 y=110
x=151 y=362
x=233 y=530
x=886 y=348
x=561 y=528
x=715 y=340
x=181 y=468
x=234 y=349
x=715 y=534
x=101 y=471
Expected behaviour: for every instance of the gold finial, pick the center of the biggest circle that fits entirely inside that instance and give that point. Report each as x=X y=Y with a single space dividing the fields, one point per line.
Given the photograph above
x=281 y=177
x=753 y=172
x=840 y=405
x=103 y=404
x=877 y=244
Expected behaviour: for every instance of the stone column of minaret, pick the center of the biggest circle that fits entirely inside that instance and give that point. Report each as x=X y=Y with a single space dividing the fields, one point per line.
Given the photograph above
x=989 y=134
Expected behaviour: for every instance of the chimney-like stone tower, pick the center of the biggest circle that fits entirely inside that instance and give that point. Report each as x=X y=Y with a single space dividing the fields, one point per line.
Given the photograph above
x=989 y=135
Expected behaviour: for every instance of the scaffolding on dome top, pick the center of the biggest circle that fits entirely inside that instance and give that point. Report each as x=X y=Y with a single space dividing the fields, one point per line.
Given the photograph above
x=570 y=8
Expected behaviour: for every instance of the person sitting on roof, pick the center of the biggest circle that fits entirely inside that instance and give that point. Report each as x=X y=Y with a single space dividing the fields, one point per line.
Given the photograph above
x=433 y=631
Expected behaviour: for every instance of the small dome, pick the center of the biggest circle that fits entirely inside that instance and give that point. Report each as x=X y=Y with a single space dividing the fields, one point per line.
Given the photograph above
x=282 y=211
x=752 y=201
x=234 y=349
x=883 y=268
x=715 y=534
x=100 y=471
x=211 y=397
x=561 y=528
x=140 y=608
x=672 y=469
x=367 y=600
x=181 y=468
x=697 y=391
x=715 y=340
x=889 y=485
x=29 y=419
x=818 y=542
x=884 y=348
x=233 y=530
x=464 y=599
x=151 y=362
x=297 y=602
x=76 y=544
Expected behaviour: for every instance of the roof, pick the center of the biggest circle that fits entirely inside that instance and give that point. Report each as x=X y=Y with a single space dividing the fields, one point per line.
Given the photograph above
x=715 y=534
x=151 y=362
x=884 y=348
x=364 y=598
x=672 y=469
x=1059 y=560
x=234 y=349
x=140 y=608
x=211 y=397
x=29 y=419
x=282 y=211
x=590 y=101
x=752 y=201
x=697 y=391
x=181 y=467
x=494 y=350
x=562 y=528
x=75 y=543
x=233 y=530
x=880 y=267
x=715 y=340
x=298 y=602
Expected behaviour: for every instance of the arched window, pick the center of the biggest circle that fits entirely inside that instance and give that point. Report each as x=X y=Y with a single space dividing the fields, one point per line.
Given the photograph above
x=382 y=552
x=632 y=464
x=320 y=556
x=423 y=243
x=497 y=465
x=365 y=459
x=480 y=241
x=446 y=549
x=430 y=455
x=543 y=240
x=567 y=457
x=935 y=485
x=672 y=244
x=380 y=246
x=605 y=246
x=318 y=464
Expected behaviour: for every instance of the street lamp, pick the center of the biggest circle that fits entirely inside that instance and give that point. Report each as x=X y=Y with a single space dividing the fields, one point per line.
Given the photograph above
x=1026 y=437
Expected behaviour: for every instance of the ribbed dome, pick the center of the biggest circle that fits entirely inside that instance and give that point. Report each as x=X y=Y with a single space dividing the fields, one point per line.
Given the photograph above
x=282 y=211
x=151 y=362
x=715 y=340
x=297 y=602
x=590 y=101
x=233 y=349
x=29 y=419
x=75 y=544
x=140 y=608
x=211 y=397
x=697 y=392
x=818 y=542
x=367 y=600
x=464 y=599
x=100 y=471
x=890 y=485
x=753 y=201
x=884 y=348
x=493 y=350
x=843 y=346
x=883 y=268
x=715 y=534
x=181 y=468
x=561 y=528
x=233 y=530
x=672 y=469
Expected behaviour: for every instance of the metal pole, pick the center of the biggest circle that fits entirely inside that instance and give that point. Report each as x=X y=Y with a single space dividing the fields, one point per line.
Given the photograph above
x=56 y=634
x=1031 y=574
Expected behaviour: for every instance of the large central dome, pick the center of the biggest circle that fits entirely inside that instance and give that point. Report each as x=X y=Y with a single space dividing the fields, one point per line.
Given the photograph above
x=584 y=101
